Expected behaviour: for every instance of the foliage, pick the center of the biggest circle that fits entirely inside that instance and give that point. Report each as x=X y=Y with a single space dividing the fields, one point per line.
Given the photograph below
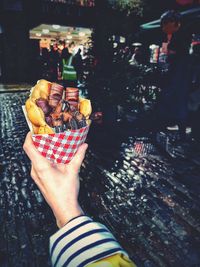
x=130 y=7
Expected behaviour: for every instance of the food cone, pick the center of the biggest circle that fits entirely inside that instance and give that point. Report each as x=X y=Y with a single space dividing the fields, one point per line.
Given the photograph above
x=58 y=147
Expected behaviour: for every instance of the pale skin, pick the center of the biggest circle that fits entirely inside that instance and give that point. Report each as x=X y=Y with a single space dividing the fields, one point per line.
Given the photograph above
x=59 y=183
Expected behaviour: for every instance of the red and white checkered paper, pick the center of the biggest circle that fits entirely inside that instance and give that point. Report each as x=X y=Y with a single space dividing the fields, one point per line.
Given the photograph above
x=60 y=147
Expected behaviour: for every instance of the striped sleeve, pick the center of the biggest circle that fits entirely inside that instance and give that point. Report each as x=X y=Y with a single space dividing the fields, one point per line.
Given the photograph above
x=82 y=242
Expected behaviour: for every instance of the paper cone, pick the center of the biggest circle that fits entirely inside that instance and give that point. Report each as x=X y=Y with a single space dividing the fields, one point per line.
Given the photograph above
x=58 y=147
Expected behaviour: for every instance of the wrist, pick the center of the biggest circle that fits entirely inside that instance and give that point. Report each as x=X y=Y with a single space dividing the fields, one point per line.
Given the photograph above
x=67 y=214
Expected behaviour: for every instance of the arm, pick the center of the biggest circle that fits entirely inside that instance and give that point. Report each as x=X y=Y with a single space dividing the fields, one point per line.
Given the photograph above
x=80 y=241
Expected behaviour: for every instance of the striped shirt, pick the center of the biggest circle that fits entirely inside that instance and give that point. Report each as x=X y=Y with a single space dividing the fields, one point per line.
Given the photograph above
x=82 y=242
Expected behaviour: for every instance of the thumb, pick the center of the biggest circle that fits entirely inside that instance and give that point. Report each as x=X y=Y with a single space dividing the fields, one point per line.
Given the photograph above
x=34 y=155
x=79 y=157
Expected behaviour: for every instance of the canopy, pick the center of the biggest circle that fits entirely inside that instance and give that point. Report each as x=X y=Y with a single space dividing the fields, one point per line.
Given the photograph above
x=194 y=12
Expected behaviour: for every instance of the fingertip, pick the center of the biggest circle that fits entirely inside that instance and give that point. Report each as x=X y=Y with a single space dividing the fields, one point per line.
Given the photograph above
x=83 y=147
x=80 y=154
x=82 y=150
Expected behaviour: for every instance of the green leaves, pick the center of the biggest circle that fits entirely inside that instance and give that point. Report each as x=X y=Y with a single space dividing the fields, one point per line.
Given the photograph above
x=129 y=6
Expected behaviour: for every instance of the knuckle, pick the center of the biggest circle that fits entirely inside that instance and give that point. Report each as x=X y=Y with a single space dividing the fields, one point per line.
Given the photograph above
x=42 y=172
x=41 y=169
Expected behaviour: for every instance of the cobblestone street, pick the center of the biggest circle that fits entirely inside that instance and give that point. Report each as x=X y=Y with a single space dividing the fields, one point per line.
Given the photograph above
x=147 y=193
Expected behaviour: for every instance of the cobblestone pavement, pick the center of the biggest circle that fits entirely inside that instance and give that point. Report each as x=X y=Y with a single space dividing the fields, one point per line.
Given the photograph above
x=146 y=192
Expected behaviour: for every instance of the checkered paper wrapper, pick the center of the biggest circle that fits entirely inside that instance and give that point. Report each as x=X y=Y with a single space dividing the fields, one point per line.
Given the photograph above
x=58 y=147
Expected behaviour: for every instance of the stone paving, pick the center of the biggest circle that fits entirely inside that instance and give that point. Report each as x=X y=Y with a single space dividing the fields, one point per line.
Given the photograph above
x=145 y=191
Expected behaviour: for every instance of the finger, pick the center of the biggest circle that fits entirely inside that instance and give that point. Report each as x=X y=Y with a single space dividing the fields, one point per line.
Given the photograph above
x=79 y=157
x=76 y=162
x=34 y=155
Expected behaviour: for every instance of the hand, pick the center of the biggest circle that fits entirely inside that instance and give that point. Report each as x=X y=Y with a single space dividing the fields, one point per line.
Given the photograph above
x=59 y=183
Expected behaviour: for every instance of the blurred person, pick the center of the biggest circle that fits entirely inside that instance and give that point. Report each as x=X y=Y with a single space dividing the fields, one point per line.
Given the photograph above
x=71 y=48
x=127 y=52
x=54 y=63
x=136 y=57
x=78 y=66
x=173 y=100
x=194 y=99
x=124 y=51
x=80 y=241
x=65 y=53
x=69 y=74
x=44 y=63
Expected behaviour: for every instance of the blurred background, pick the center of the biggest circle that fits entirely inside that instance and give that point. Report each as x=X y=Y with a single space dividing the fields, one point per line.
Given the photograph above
x=27 y=29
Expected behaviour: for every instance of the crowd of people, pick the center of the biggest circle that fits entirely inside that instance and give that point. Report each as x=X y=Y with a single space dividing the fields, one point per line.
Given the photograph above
x=177 y=61
x=181 y=80
x=63 y=63
x=133 y=54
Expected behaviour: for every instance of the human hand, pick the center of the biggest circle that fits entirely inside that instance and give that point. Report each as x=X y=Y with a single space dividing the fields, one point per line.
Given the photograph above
x=58 y=183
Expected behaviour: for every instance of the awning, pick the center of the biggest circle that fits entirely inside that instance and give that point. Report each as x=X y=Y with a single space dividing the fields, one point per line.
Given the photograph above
x=194 y=12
